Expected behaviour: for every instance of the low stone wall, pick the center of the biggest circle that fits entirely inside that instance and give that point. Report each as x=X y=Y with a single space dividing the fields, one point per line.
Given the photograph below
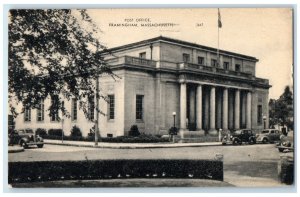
x=21 y=172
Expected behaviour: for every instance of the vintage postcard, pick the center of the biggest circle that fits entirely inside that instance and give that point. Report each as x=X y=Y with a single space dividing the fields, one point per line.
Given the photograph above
x=151 y=97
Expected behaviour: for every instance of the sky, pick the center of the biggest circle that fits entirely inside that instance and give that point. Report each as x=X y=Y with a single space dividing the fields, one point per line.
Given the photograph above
x=265 y=33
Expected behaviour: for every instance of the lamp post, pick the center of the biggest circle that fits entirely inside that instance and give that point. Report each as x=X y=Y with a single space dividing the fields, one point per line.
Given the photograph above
x=174 y=115
x=264 y=118
x=62 y=132
x=173 y=132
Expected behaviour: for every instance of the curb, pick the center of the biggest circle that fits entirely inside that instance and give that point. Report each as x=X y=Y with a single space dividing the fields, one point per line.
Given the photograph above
x=15 y=150
x=132 y=146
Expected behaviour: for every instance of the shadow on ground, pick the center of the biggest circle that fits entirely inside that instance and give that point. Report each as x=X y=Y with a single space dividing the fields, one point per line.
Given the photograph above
x=254 y=169
x=125 y=183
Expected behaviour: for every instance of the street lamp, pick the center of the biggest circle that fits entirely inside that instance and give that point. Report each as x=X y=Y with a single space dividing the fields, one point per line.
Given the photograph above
x=174 y=115
x=264 y=118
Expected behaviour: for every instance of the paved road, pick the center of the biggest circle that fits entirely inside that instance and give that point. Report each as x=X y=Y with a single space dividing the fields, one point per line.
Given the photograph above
x=244 y=166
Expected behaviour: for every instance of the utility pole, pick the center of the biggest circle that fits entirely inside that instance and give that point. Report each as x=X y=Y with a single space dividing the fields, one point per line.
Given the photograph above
x=97 y=133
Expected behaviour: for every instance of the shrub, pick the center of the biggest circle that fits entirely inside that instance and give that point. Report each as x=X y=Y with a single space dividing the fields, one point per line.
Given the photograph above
x=41 y=132
x=134 y=131
x=55 y=132
x=76 y=132
x=143 y=138
x=173 y=131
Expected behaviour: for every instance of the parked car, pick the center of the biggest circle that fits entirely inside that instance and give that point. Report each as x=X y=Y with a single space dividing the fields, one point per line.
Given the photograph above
x=239 y=136
x=25 y=138
x=268 y=136
x=286 y=142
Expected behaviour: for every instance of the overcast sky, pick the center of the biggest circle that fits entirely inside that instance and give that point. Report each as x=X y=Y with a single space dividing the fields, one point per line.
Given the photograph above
x=265 y=33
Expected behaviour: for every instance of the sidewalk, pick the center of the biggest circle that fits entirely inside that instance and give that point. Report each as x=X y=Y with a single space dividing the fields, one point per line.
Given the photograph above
x=15 y=149
x=129 y=145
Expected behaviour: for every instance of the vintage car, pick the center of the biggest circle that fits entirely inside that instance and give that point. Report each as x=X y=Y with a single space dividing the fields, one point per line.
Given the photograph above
x=25 y=138
x=286 y=143
x=239 y=136
x=268 y=136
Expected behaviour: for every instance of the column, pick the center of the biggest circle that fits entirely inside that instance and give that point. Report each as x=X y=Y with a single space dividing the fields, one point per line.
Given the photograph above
x=212 y=120
x=243 y=110
x=199 y=108
x=192 y=95
x=183 y=106
x=248 y=122
x=225 y=109
x=237 y=109
x=218 y=109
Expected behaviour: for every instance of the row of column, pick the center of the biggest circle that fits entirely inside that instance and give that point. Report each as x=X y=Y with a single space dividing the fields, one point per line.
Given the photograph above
x=212 y=112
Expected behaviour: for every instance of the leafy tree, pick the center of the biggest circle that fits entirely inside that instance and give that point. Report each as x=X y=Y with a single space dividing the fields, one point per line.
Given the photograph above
x=53 y=54
x=281 y=110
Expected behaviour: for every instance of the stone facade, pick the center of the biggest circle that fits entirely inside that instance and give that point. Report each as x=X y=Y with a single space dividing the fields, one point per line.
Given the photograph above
x=160 y=76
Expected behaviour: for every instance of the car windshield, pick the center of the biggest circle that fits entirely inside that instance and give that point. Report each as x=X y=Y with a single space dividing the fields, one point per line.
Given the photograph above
x=29 y=131
x=265 y=131
x=238 y=132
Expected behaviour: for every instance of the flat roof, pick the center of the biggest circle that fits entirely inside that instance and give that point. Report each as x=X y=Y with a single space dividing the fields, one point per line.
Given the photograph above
x=180 y=42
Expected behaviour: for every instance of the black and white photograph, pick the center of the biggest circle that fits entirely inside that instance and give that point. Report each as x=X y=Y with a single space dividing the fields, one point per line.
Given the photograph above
x=190 y=97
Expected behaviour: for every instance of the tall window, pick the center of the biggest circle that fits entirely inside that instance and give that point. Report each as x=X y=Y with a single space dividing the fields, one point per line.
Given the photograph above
x=27 y=114
x=111 y=108
x=40 y=111
x=259 y=114
x=200 y=60
x=74 y=109
x=139 y=107
x=91 y=108
x=142 y=55
x=238 y=68
x=226 y=65
x=213 y=62
x=54 y=112
x=185 y=57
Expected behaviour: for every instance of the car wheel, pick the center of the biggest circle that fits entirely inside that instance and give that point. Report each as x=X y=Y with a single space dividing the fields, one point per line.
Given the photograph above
x=281 y=149
x=223 y=143
x=40 y=145
x=23 y=144
x=235 y=142
x=265 y=140
x=251 y=141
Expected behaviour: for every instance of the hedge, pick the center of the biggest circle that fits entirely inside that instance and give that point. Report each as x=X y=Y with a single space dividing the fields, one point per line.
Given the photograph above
x=143 y=138
x=37 y=171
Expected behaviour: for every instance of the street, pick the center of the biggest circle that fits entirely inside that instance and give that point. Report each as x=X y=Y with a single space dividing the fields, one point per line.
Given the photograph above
x=244 y=166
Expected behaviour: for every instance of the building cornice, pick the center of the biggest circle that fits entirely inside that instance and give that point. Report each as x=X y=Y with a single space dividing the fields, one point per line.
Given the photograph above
x=254 y=82
x=180 y=43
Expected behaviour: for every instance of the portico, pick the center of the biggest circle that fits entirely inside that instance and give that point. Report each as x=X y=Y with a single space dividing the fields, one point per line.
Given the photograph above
x=205 y=107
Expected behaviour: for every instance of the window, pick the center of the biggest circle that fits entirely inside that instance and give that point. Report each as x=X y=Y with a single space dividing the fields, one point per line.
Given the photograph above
x=111 y=108
x=54 y=117
x=185 y=57
x=54 y=112
x=226 y=65
x=213 y=62
x=142 y=55
x=91 y=113
x=27 y=114
x=238 y=68
x=139 y=107
x=200 y=60
x=259 y=114
x=74 y=109
x=40 y=111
